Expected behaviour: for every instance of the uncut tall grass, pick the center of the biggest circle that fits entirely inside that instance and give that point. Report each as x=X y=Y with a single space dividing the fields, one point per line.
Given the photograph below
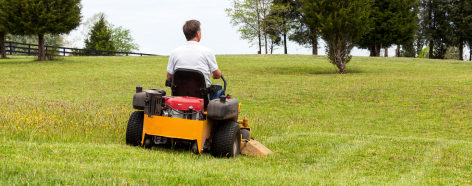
x=389 y=121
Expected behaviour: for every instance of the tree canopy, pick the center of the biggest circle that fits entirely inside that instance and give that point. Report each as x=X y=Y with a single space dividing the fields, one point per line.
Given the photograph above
x=342 y=23
x=40 y=17
x=461 y=17
x=250 y=16
x=102 y=35
x=393 y=22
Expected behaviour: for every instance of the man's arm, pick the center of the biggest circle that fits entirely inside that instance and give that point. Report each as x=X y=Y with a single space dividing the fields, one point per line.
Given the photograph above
x=216 y=74
x=169 y=76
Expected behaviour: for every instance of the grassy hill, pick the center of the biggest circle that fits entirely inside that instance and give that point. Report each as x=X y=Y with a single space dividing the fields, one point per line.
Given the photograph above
x=389 y=121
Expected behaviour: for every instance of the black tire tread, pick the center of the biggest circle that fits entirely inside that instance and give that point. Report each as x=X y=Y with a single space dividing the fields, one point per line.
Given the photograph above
x=222 y=143
x=134 y=130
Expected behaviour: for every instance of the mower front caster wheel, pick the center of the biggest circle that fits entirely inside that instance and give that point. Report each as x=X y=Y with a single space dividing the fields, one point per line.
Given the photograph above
x=148 y=143
x=195 y=148
x=244 y=133
x=227 y=140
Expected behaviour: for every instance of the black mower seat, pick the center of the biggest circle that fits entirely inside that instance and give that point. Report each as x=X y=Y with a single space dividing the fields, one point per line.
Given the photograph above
x=191 y=83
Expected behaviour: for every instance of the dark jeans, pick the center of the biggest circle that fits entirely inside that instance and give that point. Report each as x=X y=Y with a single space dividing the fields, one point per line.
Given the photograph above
x=214 y=95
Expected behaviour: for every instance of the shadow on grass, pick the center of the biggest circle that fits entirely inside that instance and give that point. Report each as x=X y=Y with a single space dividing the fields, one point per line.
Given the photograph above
x=300 y=70
x=177 y=148
x=30 y=60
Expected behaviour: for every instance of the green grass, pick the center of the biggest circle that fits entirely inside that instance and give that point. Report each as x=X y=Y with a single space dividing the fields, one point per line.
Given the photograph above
x=389 y=121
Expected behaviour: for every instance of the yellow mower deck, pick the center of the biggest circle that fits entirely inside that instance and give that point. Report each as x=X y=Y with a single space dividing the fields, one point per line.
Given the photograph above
x=177 y=128
x=195 y=130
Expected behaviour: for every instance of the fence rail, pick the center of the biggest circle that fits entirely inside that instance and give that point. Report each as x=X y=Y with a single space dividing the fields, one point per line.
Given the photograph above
x=32 y=49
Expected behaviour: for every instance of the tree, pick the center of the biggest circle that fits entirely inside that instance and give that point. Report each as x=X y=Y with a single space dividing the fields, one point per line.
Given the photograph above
x=100 y=37
x=303 y=33
x=470 y=50
x=461 y=17
x=249 y=15
x=274 y=40
x=408 y=50
x=120 y=37
x=279 y=23
x=3 y=30
x=40 y=17
x=342 y=23
x=394 y=22
x=438 y=28
x=2 y=43
x=424 y=53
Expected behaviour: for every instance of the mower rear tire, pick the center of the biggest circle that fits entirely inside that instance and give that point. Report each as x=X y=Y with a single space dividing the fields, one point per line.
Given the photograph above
x=245 y=133
x=227 y=140
x=134 y=130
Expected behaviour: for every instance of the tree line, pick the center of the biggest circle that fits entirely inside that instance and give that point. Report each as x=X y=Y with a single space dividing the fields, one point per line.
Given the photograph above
x=419 y=28
x=41 y=20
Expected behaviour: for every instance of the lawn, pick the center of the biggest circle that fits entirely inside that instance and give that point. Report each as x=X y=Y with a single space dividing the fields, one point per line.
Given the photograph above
x=389 y=121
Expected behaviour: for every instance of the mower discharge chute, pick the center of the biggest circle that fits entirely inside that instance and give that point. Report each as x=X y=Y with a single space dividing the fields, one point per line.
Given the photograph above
x=190 y=117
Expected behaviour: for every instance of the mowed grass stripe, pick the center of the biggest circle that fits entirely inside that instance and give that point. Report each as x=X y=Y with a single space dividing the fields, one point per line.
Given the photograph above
x=330 y=157
x=390 y=121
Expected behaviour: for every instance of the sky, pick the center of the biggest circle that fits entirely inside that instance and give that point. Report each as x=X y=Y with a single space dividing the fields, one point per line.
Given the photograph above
x=156 y=26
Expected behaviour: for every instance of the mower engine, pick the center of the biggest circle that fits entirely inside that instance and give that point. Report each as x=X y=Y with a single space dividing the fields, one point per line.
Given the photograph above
x=184 y=108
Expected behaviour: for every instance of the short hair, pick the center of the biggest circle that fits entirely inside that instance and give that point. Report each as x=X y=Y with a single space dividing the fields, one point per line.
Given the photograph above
x=191 y=28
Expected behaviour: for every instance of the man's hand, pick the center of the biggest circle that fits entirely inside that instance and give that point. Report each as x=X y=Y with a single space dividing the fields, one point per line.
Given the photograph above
x=169 y=76
x=216 y=74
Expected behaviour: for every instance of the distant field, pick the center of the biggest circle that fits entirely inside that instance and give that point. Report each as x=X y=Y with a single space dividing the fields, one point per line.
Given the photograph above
x=389 y=121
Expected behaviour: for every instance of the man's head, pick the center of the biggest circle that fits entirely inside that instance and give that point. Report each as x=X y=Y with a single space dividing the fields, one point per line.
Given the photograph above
x=192 y=30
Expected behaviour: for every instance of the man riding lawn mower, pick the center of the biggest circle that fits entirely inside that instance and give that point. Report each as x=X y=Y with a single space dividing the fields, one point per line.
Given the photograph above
x=197 y=113
x=189 y=117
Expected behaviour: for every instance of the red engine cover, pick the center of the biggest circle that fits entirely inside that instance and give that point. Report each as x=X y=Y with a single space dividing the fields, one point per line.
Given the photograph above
x=182 y=103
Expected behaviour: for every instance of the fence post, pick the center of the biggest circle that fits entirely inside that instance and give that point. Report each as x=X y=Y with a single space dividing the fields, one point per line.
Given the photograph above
x=11 y=49
x=126 y=53
x=64 y=51
x=29 y=49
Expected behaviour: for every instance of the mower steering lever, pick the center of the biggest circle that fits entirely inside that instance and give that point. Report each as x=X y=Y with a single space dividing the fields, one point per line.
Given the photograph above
x=224 y=81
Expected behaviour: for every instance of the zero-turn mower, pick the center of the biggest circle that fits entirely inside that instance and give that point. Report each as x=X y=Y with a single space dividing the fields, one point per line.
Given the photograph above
x=189 y=117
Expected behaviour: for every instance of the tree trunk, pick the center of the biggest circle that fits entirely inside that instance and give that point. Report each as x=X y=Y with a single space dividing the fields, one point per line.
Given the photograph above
x=41 y=51
x=314 y=42
x=372 y=51
x=430 y=17
x=342 y=67
x=315 y=47
x=461 y=50
x=2 y=45
x=285 y=43
x=377 y=50
x=260 y=45
x=258 y=27
x=386 y=52
x=431 y=45
x=265 y=40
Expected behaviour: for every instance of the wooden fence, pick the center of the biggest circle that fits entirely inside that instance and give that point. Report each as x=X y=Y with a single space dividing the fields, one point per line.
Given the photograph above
x=32 y=49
